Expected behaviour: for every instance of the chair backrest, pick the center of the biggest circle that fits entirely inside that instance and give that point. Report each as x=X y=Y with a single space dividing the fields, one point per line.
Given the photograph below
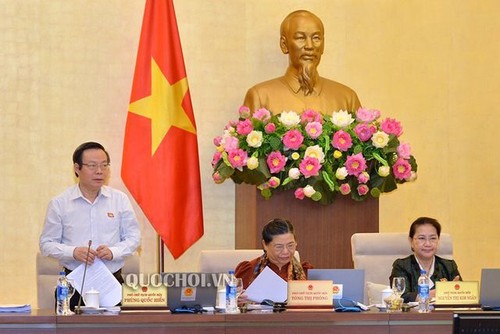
x=48 y=269
x=376 y=252
x=221 y=261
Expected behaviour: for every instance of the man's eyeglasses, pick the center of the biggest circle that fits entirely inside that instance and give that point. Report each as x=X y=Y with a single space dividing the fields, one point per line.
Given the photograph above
x=93 y=166
x=431 y=240
x=280 y=248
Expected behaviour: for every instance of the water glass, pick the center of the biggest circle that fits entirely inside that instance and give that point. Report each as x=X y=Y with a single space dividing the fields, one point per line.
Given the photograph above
x=398 y=286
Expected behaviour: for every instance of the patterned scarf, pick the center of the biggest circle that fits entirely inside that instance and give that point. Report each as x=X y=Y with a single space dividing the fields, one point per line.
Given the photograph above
x=295 y=271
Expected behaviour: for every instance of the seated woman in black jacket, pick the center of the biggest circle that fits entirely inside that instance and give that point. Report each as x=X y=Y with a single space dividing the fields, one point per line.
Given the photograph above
x=424 y=242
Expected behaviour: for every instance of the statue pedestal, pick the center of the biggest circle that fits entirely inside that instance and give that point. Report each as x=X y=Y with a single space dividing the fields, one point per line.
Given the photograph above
x=323 y=231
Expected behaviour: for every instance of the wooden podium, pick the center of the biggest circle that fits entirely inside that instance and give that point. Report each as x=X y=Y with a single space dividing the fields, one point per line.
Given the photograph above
x=323 y=231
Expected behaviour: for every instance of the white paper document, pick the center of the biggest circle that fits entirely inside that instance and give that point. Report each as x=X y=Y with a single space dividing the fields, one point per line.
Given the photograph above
x=268 y=285
x=98 y=277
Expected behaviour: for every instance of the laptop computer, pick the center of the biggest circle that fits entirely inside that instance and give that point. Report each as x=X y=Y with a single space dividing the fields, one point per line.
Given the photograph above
x=353 y=281
x=490 y=289
x=191 y=291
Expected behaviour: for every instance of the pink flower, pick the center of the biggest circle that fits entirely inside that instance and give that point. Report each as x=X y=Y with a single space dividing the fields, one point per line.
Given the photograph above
x=309 y=167
x=365 y=131
x=244 y=127
x=355 y=164
x=299 y=193
x=262 y=114
x=309 y=116
x=363 y=177
x=391 y=126
x=244 y=112
x=230 y=124
x=237 y=158
x=401 y=169
x=216 y=158
x=230 y=143
x=293 y=139
x=274 y=182
x=404 y=151
x=270 y=128
x=345 y=188
x=342 y=140
x=314 y=129
x=363 y=189
x=367 y=115
x=217 y=178
x=217 y=140
x=276 y=162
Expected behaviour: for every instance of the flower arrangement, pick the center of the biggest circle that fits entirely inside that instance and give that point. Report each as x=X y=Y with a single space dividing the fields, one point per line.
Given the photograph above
x=318 y=156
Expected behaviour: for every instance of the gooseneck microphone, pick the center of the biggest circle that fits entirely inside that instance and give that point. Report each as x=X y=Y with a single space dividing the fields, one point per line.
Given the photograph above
x=78 y=309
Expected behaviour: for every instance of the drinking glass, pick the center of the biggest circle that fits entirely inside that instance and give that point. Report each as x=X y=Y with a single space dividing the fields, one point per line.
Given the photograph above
x=71 y=292
x=398 y=286
x=239 y=287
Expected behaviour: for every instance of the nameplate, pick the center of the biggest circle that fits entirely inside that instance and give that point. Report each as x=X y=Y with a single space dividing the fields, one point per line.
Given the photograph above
x=310 y=293
x=457 y=293
x=144 y=296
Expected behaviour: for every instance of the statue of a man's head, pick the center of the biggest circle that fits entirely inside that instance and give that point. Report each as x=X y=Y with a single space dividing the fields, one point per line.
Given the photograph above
x=302 y=38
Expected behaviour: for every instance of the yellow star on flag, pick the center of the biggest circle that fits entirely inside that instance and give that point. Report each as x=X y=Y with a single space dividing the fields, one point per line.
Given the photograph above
x=163 y=106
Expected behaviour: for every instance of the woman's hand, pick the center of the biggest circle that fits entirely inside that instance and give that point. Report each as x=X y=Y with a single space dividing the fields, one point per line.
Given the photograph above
x=242 y=299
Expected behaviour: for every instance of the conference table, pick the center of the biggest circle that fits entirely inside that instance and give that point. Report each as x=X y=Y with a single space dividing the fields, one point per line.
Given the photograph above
x=290 y=321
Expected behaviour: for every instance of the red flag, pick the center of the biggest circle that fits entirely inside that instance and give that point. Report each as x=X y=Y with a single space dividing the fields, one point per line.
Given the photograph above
x=160 y=151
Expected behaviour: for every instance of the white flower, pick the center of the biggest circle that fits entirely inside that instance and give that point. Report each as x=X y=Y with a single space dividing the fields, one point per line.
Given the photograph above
x=309 y=190
x=289 y=119
x=380 y=139
x=342 y=118
x=384 y=171
x=254 y=138
x=341 y=173
x=294 y=173
x=315 y=152
x=252 y=163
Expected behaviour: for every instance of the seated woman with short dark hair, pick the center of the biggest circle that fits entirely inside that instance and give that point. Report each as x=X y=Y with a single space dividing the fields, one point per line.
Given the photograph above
x=279 y=243
x=424 y=242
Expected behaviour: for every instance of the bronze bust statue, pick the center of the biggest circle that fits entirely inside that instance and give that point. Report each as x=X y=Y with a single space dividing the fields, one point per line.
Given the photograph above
x=301 y=88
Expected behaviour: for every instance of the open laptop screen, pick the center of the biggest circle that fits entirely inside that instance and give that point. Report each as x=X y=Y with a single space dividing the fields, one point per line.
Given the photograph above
x=353 y=280
x=490 y=289
x=192 y=289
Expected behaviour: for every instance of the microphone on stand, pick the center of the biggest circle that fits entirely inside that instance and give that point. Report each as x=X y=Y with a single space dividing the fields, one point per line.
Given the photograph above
x=78 y=309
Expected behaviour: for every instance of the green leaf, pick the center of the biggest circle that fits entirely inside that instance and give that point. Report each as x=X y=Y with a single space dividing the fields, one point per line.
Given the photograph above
x=225 y=171
x=377 y=156
x=328 y=180
x=375 y=192
x=316 y=196
x=266 y=193
x=248 y=176
x=275 y=143
x=413 y=163
x=225 y=159
x=389 y=184
x=263 y=168
x=287 y=180
x=327 y=195
x=358 y=149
